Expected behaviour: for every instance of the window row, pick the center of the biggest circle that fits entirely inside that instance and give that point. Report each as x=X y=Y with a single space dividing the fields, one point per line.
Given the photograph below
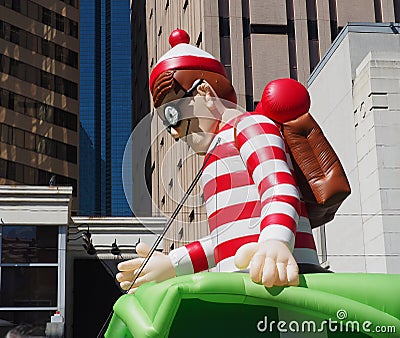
x=43 y=145
x=38 y=77
x=37 y=44
x=32 y=176
x=29 y=244
x=39 y=110
x=73 y=3
x=43 y=15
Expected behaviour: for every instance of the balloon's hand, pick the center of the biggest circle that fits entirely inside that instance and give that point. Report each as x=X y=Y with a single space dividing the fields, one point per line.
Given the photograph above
x=157 y=269
x=271 y=263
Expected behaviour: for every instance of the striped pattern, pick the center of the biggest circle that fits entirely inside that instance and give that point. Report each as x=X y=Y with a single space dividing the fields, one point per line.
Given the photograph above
x=250 y=196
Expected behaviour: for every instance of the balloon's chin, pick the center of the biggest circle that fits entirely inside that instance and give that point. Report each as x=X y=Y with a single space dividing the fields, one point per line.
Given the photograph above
x=200 y=142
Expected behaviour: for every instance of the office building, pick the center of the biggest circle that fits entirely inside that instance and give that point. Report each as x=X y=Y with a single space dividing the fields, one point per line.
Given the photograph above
x=105 y=106
x=355 y=99
x=257 y=41
x=39 y=93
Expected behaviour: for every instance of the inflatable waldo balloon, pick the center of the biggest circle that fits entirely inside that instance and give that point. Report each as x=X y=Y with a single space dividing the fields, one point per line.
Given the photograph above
x=257 y=218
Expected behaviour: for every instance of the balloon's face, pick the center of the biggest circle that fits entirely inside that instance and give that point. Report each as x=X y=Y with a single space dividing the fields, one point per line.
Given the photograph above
x=190 y=118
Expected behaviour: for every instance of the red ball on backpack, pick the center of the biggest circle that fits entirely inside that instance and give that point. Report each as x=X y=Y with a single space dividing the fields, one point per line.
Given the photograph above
x=284 y=100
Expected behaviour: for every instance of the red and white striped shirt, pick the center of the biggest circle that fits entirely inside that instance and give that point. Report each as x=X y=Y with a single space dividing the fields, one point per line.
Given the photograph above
x=250 y=196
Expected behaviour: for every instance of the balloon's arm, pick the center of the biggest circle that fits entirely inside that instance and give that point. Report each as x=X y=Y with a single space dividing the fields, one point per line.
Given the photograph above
x=193 y=257
x=262 y=148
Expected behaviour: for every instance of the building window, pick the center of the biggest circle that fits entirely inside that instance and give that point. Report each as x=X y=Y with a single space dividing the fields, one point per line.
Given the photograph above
x=30 y=265
x=59 y=22
x=180 y=233
x=199 y=39
x=186 y=3
x=163 y=200
x=179 y=165
x=171 y=183
x=191 y=216
x=46 y=16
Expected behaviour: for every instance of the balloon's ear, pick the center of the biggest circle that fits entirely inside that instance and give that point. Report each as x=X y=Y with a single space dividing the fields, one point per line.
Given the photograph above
x=211 y=98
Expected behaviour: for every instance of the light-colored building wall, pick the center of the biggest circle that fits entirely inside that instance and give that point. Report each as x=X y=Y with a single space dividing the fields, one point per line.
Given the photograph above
x=354 y=94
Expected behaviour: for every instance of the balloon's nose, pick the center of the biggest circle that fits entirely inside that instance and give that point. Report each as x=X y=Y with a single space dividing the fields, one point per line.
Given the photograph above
x=174 y=134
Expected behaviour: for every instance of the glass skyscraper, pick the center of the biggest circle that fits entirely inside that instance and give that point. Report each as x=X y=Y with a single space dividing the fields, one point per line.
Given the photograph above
x=105 y=106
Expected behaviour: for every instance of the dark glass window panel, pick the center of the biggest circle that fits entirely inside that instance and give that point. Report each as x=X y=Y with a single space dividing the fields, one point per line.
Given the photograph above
x=46 y=16
x=47 y=80
x=311 y=8
x=49 y=114
x=41 y=145
x=16 y=5
x=71 y=154
x=61 y=151
x=3 y=168
x=19 y=172
x=73 y=28
x=396 y=4
x=14 y=35
x=27 y=286
x=59 y=53
x=73 y=58
x=29 y=175
x=19 y=138
x=23 y=38
x=10 y=101
x=24 y=7
x=33 y=76
x=19 y=104
x=30 y=107
x=30 y=141
x=224 y=29
x=2 y=29
x=4 y=94
x=29 y=244
x=32 y=42
x=312 y=28
x=48 y=48
x=11 y=170
x=33 y=10
x=5 y=64
x=59 y=22
x=4 y=133
x=51 y=149
x=60 y=83
x=14 y=71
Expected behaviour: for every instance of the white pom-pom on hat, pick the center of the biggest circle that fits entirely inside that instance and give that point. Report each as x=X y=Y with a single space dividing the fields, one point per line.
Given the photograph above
x=182 y=55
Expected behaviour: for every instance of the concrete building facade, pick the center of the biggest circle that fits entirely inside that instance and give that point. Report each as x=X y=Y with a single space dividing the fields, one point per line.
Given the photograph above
x=355 y=99
x=257 y=41
x=39 y=94
x=44 y=266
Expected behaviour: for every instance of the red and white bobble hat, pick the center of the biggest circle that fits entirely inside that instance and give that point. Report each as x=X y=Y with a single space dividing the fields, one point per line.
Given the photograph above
x=183 y=56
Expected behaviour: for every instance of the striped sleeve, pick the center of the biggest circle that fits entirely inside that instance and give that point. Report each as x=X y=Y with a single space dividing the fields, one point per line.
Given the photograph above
x=193 y=257
x=262 y=149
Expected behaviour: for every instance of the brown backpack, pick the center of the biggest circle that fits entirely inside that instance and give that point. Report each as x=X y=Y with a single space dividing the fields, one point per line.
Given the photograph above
x=319 y=173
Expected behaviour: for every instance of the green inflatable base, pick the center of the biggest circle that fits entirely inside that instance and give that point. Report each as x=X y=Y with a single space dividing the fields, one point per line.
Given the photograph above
x=230 y=305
